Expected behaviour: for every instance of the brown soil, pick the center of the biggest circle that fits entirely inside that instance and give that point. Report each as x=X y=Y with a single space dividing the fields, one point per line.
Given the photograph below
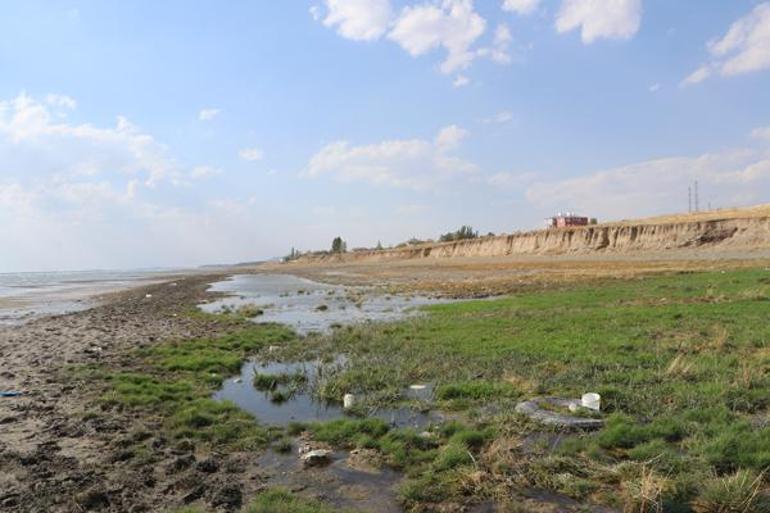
x=56 y=455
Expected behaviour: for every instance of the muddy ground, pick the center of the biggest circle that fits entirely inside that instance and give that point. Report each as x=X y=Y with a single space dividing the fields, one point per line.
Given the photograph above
x=59 y=452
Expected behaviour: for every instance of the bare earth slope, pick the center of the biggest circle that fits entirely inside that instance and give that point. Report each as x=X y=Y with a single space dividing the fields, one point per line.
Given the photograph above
x=744 y=233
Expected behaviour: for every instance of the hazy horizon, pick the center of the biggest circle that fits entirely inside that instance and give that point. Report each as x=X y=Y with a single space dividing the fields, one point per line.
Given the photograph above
x=140 y=135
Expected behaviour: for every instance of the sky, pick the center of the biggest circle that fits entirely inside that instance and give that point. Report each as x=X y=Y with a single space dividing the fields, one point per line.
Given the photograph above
x=164 y=134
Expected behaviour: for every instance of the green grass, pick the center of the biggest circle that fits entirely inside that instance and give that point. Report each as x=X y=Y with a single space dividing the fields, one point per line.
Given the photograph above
x=277 y=500
x=682 y=363
x=176 y=379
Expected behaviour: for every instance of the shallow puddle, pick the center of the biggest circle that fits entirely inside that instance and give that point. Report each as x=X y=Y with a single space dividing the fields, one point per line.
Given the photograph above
x=297 y=403
x=309 y=306
x=340 y=483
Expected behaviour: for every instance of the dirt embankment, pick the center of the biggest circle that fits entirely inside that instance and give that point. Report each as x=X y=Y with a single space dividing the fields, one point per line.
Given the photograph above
x=718 y=234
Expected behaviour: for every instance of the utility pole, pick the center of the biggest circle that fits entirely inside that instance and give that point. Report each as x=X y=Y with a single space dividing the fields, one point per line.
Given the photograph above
x=689 y=199
x=697 y=203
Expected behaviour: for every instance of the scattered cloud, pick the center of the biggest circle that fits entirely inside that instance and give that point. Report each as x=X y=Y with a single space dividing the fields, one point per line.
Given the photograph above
x=522 y=7
x=461 y=81
x=408 y=163
x=500 y=118
x=62 y=101
x=600 y=19
x=745 y=48
x=511 y=180
x=208 y=114
x=361 y=20
x=251 y=154
x=697 y=76
x=77 y=195
x=761 y=133
x=654 y=88
x=204 y=172
x=453 y=25
x=728 y=178
x=27 y=127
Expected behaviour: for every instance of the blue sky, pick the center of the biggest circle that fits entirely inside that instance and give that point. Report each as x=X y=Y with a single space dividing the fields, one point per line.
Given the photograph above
x=171 y=133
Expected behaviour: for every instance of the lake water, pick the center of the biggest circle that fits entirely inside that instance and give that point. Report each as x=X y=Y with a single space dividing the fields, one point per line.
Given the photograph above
x=24 y=296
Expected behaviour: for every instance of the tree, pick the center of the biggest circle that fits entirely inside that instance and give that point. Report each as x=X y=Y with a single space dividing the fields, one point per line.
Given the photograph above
x=465 y=232
x=379 y=246
x=339 y=245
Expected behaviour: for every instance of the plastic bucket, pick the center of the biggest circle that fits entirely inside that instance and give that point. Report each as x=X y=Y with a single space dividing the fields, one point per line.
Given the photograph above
x=592 y=401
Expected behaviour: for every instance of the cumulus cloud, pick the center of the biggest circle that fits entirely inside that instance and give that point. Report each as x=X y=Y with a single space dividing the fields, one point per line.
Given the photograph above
x=208 y=114
x=598 y=19
x=251 y=154
x=76 y=195
x=453 y=25
x=410 y=163
x=363 y=20
x=727 y=178
x=522 y=7
x=28 y=126
x=745 y=48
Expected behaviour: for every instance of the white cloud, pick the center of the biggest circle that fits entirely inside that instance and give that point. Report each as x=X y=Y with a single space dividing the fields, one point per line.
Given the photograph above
x=208 y=114
x=500 y=118
x=204 y=172
x=410 y=163
x=461 y=81
x=75 y=196
x=450 y=136
x=745 y=47
x=522 y=7
x=363 y=20
x=511 y=180
x=597 y=19
x=654 y=88
x=251 y=154
x=727 y=178
x=453 y=25
x=60 y=100
x=761 y=133
x=28 y=126
x=697 y=76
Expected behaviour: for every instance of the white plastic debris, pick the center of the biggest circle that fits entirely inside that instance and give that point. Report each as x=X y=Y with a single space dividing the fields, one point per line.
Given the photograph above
x=592 y=401
x=348 y=401
x=148 y=296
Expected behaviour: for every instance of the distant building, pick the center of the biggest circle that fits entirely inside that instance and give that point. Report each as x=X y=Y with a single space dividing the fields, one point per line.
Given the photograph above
x=569 y=219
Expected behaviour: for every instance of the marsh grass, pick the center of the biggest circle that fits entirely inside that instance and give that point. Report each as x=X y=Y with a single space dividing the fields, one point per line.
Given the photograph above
x=175 y=380
x=278 y=500
x=682 y=362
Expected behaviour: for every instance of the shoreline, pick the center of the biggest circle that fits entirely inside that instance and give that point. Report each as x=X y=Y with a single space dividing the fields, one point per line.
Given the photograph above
x=63 y=449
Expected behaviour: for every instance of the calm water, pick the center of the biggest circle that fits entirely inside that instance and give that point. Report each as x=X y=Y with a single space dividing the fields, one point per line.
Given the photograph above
x=309 y=306
x=301 y=405
x=24 y=296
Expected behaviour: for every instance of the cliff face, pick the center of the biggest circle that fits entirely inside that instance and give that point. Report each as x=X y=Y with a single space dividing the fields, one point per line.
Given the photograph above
x=732 y=234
